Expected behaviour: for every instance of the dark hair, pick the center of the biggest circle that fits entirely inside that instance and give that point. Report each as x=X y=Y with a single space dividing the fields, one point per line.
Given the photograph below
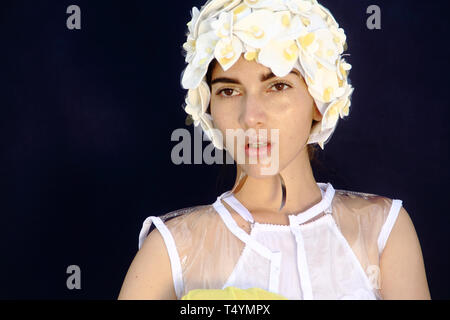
x=313 y=149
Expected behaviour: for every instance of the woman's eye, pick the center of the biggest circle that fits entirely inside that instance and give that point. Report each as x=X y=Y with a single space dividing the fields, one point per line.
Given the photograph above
x=227 y=92
x=280 y=86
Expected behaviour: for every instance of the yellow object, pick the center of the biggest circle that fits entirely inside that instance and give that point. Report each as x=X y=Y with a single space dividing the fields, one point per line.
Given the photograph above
x=232 y=293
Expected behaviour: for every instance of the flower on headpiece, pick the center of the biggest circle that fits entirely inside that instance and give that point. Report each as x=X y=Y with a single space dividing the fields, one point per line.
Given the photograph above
x=189 y=45
x=313 y=21
x=320 y=135
x=229 y=48
x=197 y=101
x=241 y=11
x=195 y=15
x=327 y=52
x=325 y=14
x=307 y=41
x=325 y=86
x=281 y=53
x=300 y=7
x=338 y=108
x=251 y=53
x=307 y=47
x=256 y=29
x=343 y=69
x=317 y=50
x=339 y=37
x=260 y=4
x=281 y=56
x=288 y=26
x=223 y=27
x=211 y=133
x=228 y=51
x=204 y=54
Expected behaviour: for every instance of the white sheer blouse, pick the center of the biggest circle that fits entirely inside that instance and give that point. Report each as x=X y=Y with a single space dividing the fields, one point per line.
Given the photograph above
x=330 y=251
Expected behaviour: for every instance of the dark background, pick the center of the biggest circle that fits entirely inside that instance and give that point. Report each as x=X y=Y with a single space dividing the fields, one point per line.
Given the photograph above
x=87 y=115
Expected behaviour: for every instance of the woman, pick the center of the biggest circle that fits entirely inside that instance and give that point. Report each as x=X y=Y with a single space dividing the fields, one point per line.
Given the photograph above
x=271 y=74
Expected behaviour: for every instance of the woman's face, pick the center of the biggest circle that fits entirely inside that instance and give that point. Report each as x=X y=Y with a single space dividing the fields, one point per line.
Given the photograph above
x=248 y=96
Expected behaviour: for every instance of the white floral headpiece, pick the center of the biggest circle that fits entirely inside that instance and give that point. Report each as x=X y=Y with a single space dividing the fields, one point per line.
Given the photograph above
x=279 y=34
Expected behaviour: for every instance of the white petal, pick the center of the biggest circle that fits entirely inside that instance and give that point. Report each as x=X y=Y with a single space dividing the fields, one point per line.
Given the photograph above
x=338 y=69
x=257 y=28
x=321 y=145
x=211 y=133
x=192 y=76
x=205 y=12
x=225 y=7
x=204 y=45
x=258 y=4
x=205 y=95
x=290 y=27
x=340 y=92
x=329 y=15
x=279 y=56
x=328 y=51
x=195 y=13
x=198 y=99
x=345 y=109
x=299 y=6
x=228 y=52
x=331 y=117
x=308 y=63
x=326 y=83
x=338 y=108
x=316 y=23
x=278 y=5
x=223 y=27
x=241 y=11
x=322 y=106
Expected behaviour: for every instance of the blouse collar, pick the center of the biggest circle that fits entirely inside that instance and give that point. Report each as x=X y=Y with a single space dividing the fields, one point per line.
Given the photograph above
x=324 y=205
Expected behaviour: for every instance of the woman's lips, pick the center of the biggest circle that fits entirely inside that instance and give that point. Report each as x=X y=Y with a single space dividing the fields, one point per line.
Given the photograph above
x=259 y=152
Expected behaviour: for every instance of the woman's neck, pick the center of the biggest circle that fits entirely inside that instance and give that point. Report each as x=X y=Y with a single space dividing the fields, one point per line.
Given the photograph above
x=265 y=194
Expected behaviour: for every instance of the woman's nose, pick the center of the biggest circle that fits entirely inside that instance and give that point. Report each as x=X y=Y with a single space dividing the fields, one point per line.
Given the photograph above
x=253 y=112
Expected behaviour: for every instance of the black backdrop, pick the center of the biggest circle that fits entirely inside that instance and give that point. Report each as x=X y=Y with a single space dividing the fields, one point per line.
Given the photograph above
x=86 y=119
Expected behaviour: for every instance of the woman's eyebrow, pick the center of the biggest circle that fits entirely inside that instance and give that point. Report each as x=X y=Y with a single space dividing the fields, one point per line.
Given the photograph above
x=263 y=78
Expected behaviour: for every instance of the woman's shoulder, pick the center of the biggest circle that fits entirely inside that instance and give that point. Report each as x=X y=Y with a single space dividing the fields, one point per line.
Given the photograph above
x=359 y=202
x=365 y=219
x=369 y=211
x=192 y=223
x=198 y=227
x=188 y=215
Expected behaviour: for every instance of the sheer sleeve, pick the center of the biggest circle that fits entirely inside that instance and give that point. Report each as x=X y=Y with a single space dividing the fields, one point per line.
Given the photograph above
x=366 y=221
x=207 y=250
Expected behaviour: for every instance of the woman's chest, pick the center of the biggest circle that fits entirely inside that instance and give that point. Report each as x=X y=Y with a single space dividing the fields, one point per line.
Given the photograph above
x=313 y=261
